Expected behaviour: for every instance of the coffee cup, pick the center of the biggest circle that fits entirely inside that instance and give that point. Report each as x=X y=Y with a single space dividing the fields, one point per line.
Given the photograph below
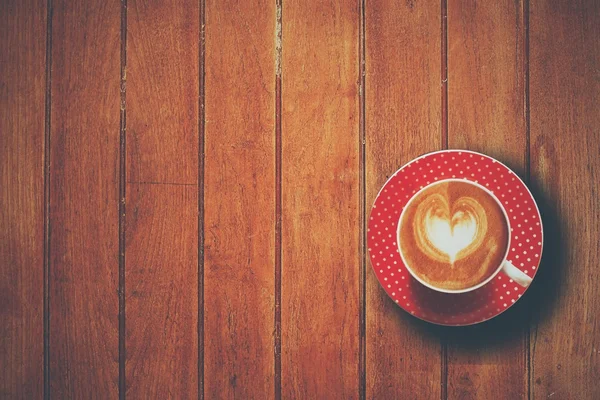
x=453 y=236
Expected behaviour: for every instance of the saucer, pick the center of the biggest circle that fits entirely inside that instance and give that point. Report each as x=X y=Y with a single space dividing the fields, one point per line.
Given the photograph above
x=451 y=309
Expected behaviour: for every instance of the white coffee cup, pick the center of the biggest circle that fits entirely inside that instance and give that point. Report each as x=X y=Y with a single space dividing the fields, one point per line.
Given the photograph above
x=504 y=266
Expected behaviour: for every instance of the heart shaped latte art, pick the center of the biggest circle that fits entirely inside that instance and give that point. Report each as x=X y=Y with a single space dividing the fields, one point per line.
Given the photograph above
x=448 y=233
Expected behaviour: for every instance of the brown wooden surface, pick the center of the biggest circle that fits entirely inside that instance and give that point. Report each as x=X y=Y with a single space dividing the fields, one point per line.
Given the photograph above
x=22 y=97
x=165 y=268
x=207 y=185
x=161 y=253
x=320 y=200
x=565 y=165
x=403 y=121
x=486 y=113
x=84 y=199
x=239 y=200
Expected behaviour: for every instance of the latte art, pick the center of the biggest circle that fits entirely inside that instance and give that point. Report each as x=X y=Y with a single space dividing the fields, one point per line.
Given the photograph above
x=453 y=235
x=447 y=235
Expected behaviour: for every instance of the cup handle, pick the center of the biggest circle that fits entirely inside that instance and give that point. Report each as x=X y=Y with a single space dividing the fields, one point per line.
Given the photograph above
x=516 y=274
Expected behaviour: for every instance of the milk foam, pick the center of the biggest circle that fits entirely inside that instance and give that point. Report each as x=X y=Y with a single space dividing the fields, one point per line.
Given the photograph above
x=451 y=236
x=445 y=233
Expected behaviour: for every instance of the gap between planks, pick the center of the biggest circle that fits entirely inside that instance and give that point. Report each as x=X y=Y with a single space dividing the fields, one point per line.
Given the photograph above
x=46 y=222
x=201 y=172
x=525 y=72
x=278 y=204
x=444 y=145
x=362 y=180
x=122 y=188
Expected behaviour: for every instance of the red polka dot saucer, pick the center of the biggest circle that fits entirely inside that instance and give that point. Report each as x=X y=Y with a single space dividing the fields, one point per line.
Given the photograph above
x=524 y=253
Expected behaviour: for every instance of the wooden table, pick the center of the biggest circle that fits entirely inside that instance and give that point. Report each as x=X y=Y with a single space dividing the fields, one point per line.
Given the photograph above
x=184 y=188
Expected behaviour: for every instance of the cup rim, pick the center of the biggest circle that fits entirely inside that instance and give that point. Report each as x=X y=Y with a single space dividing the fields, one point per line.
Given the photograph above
x=480 y=284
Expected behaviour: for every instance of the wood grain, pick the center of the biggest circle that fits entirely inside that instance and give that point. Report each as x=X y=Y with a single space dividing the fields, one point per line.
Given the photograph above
x=22 y=95
x=403 y=115
x=162 y=96
x=161 y=255
x=486 y=113
x=320 y=200
x=161 y=287
x=239 y=199
x=84 y=200
x=300 y=110
x=565 y=165
x=486 y=80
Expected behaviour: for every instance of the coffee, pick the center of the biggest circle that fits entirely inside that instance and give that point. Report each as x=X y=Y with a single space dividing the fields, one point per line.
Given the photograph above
x=453 y=235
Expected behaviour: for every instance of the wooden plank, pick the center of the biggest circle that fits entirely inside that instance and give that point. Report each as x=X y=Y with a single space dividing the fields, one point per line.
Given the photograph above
x=239 y=199
x=565 y=165
x=84 y=200
x=162 y=91
x=161 y=254
x=486 y=113
x=486 y=80
x=162 y=288
x=22 y=94
x=403 y=115
x=320 y=200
